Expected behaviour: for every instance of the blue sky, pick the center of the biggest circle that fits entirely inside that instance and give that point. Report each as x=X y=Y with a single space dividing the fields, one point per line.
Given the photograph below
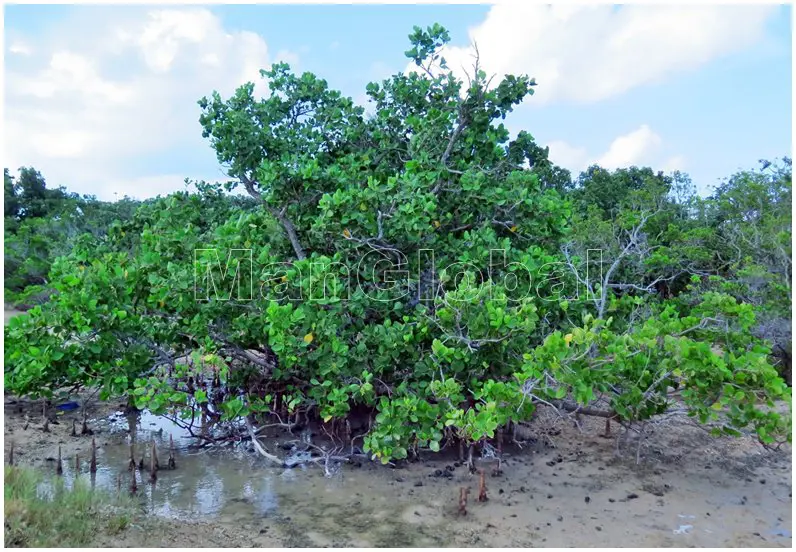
x=703 y=89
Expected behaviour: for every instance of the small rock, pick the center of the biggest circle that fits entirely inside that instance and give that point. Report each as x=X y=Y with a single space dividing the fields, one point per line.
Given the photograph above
x=611 y=500
x=762 y=481
x=549 y=496
x=631 y=496
x=588 y=499
x=418 y=483
x=599 y=528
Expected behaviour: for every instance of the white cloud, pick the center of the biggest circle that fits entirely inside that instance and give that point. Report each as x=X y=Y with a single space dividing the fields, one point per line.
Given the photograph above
x=630 y=149
x=640 y=147
x=565 y=155
x=20 y=48
x=86 y=115
x=676 y=163
x=588 y=53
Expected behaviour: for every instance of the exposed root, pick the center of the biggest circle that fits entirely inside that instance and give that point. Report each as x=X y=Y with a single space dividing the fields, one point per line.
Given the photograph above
x=482 y=487
x=607 y=433
x=85 y=430
x=259 y=447
x=463 y=492
x=93 y=463
x=46 y=427
x=498 y=471
x=172 y=461
x=153 y=464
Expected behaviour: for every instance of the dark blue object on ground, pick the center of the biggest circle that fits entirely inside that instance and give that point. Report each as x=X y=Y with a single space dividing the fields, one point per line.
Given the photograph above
x=68 y=406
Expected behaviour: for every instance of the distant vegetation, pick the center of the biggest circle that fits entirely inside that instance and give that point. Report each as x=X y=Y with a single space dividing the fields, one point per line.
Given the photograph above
x=690 y=309
x=42 y=224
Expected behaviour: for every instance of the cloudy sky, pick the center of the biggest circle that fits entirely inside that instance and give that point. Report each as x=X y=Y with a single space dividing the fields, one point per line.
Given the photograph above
x=102 y=99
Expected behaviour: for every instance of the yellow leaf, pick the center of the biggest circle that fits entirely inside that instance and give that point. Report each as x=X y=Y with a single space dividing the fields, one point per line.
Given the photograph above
x=284 y=278
x=436 y=224
x=161 y=303
x=513 y=228
x=125 y=274
x=308 y=338
x=568 y=339
x=327 y=418
x=346 y=233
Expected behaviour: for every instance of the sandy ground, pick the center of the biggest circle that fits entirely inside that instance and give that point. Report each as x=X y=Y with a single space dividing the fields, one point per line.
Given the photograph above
x=565 y=487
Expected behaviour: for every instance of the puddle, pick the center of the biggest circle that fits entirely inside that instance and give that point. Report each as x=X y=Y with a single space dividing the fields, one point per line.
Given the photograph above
x=232 y=484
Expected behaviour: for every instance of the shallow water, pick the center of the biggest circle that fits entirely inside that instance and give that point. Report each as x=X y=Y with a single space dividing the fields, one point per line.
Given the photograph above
x=235 y=485
x=575 y=495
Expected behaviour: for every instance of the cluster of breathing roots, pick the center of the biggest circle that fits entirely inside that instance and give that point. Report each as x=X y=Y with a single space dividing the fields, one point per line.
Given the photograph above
x=152 y=466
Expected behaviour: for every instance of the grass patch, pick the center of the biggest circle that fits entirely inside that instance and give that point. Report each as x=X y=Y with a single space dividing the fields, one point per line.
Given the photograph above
x=58 y=516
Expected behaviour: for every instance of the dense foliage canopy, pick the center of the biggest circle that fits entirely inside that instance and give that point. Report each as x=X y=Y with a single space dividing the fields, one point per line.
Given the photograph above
x=412 y=277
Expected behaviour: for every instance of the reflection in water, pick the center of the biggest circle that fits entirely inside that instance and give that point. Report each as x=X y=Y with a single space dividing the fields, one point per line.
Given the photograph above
x=205 y=484
x=234 y=485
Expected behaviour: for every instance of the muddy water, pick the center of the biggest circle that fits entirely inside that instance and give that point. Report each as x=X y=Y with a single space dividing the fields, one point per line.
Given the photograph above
x=233 y=485
x=569 y=493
